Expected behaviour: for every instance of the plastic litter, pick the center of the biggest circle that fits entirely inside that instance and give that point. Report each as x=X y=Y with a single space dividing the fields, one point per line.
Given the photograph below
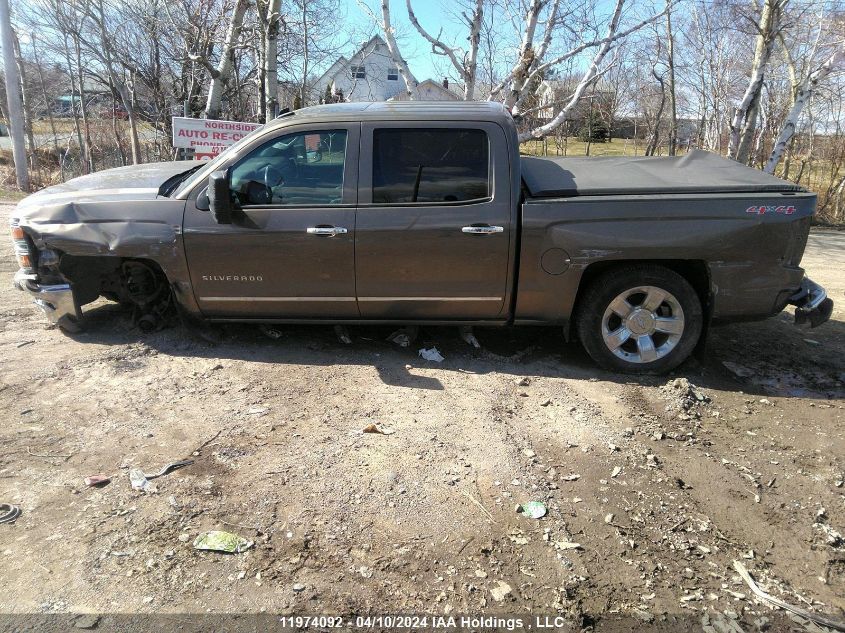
x=432 y=354
x=403 y=337
x=375 y=428
x=342 y=334
x=532 y=509
x=140 y=482
x=93 y=481
x=9 y=512
x=468 y=337
x=218 y=541
x=271 y=332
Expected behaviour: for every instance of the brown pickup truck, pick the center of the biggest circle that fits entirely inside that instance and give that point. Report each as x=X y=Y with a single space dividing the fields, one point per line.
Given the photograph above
x=425 y=213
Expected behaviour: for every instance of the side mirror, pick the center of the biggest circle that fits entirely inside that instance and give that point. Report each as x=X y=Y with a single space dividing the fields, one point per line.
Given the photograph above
x=220 y=197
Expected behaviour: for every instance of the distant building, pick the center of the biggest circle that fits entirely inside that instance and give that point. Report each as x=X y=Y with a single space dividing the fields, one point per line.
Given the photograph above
x=372 y=75
x=429 y=90
x=369 y=75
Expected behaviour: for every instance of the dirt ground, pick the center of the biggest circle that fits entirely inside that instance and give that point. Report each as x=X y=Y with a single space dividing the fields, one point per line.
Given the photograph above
x=661 y=482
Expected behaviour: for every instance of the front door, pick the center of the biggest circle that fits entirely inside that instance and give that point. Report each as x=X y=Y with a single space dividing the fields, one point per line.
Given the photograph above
x=289 y=252
x=433 y=233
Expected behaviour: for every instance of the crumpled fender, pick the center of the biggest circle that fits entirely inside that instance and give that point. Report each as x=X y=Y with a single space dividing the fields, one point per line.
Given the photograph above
x=113 y=222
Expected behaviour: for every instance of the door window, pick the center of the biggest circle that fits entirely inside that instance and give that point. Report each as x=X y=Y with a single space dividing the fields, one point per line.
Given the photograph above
x=430 y=165
x=305 y=168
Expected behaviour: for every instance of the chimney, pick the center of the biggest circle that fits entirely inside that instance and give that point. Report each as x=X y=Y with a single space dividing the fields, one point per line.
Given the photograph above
x=446 y=82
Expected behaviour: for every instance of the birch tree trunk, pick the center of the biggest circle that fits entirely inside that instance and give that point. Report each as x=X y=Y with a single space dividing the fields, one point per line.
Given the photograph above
x=805 y=93
x=13 y=97
x=744 y=122
x=271 y=60
x=411 y=84
x=220 y=75
x=673 y=103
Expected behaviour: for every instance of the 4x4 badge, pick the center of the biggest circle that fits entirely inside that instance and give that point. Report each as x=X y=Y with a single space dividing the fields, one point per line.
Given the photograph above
x=760 y=210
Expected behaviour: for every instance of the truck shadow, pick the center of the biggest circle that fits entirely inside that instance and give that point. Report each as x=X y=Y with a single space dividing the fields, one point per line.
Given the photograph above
x=772 y=357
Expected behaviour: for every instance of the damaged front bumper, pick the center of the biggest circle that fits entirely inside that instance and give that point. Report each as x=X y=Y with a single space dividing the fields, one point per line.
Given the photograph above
x=56 y=300
x=812 y=305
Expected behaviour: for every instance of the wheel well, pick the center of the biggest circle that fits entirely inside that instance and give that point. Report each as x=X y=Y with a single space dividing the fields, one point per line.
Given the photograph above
x=693 y=270
x=95 y=275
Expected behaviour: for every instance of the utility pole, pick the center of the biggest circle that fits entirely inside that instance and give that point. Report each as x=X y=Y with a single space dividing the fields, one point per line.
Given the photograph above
x=13 y=97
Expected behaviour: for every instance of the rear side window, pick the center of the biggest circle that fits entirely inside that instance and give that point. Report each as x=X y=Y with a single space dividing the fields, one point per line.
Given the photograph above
x=430 y=165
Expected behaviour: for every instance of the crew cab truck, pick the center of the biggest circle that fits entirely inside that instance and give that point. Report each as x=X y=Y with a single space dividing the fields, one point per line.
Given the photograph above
x=425 y=213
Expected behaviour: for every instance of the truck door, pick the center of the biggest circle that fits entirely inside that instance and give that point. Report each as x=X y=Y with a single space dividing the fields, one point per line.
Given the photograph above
x=289 y=251
x=434 y=221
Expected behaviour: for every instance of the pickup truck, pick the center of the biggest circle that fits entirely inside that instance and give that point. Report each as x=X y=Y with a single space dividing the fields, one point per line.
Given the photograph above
x=425 y=213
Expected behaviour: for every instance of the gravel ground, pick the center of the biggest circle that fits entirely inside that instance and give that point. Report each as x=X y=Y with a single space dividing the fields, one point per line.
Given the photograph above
x=654 y=486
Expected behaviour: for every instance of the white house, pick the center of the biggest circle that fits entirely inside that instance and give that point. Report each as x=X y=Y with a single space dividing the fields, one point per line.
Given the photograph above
x=429 y=90
x=369 y=75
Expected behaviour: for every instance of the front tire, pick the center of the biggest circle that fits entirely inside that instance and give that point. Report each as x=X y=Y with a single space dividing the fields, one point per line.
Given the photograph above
x=642 y=319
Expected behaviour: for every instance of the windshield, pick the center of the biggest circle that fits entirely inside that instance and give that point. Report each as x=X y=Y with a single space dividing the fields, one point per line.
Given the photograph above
x=205 y=168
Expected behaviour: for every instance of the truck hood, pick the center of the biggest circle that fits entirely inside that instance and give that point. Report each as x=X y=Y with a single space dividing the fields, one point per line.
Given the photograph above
x=133 y=182
x=111 y=212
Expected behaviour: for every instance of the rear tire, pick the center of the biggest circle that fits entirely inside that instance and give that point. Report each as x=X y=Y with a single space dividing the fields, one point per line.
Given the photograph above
x=642 y=319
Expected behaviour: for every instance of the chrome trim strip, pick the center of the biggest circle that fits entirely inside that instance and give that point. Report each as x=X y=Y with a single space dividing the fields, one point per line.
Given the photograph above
x=300 y=299
x=429 y=298
x=277 y=298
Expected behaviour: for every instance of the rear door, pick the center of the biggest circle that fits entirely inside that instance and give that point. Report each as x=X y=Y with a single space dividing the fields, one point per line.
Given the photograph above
x=289 y=252
x=434 y=221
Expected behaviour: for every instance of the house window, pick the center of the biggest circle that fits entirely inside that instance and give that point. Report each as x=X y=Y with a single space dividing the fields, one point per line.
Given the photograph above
x=392 y=74
x=358 y=72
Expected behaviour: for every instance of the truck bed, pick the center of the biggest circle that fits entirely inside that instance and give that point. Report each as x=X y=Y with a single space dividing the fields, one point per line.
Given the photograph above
x=694 y=173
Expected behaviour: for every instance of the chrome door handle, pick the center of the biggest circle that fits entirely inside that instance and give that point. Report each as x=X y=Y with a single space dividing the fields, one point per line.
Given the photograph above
x=482 y=230
x=326 y=230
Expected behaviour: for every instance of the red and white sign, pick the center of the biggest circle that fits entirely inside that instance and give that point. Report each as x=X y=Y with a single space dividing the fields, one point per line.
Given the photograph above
x=208 y=137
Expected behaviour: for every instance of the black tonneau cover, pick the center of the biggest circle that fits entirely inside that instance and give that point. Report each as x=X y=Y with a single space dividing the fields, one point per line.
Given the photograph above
x=696 y=172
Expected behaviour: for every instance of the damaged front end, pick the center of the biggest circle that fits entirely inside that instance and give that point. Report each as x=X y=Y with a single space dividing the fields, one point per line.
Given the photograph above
x=812 y=305
x=50 y=290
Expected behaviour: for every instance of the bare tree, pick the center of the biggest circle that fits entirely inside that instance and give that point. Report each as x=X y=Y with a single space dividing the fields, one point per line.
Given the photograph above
x=744 y=120
x=806 y=88
x=385 y=25
x=464 y=62
x=220 y=74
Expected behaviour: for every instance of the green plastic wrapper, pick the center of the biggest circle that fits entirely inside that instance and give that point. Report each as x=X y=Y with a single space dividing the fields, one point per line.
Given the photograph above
x=218 y=541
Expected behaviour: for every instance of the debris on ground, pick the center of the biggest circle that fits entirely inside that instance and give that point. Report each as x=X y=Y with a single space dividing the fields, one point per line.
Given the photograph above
x=93 y=481
x=170 y=467
x=9 y=512
x=467 y=336
x=567 y=545
x=500 y=590
x=140 y=482
x=219 y=541
x=404 y=336
x=375 y=428
x=432 y=354
x=342 y=334
x=271 y=331
x=837 y=625
x=685 y=399
x=532 y=509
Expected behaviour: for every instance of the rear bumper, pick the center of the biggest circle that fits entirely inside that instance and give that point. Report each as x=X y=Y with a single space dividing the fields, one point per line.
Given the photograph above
x=812 y=305
x=55 y=300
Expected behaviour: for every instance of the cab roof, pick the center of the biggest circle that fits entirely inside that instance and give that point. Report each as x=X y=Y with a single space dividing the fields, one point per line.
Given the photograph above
x=399 y=111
